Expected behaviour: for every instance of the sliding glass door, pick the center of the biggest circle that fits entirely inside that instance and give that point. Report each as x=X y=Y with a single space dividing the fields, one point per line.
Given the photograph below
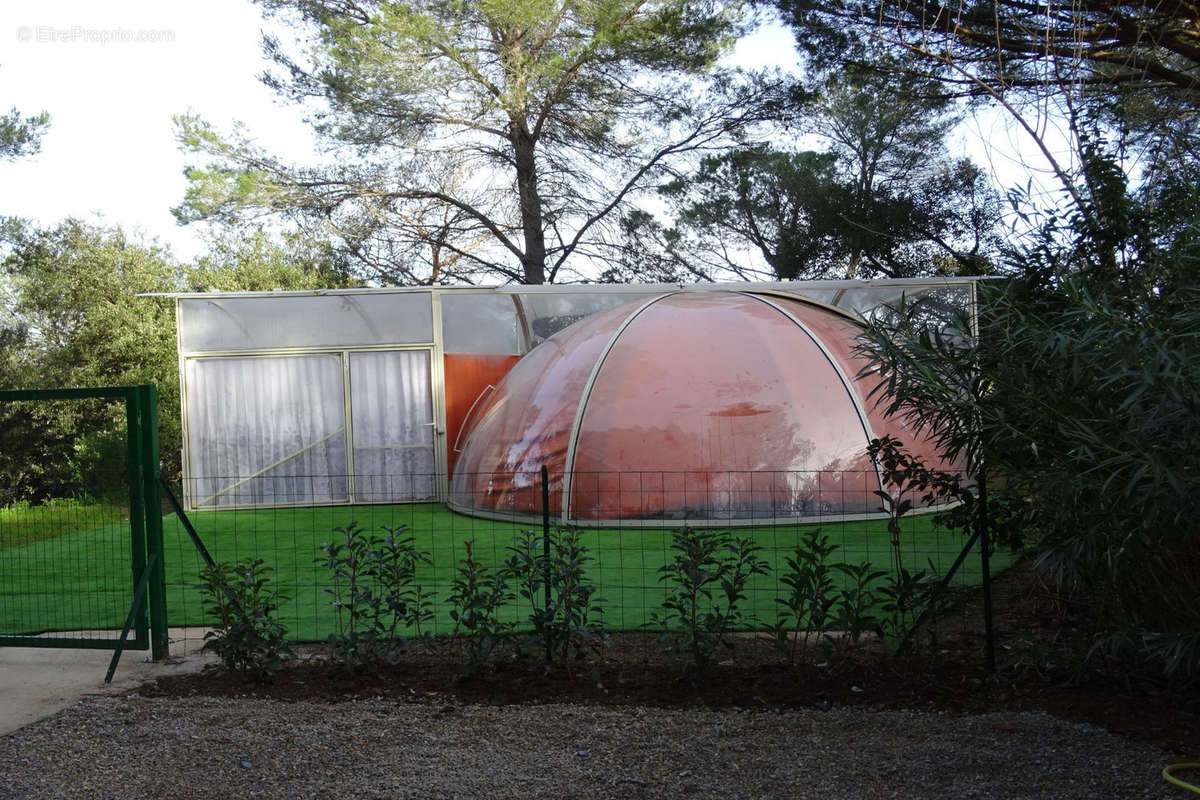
x=392 y=417
x=266 y=431
x=273 y=430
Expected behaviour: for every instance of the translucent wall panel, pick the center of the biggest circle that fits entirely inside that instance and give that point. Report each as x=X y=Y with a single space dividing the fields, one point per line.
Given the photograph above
x=480 y=335
x=469 y=380
x=479 y=324
x=727 y=407
x=527 y=422
x=391 y=398
x=550 y=312
x=266 y=431
x=940 y=302
x=839 y=337
x=260 y=323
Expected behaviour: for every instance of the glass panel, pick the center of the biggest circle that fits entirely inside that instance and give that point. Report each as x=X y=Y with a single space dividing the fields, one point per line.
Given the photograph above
x=727 y=408
x=939 y=300
x=479 y=324
x=392 y=409
x=266 y=431
x=839 y=336
x=549 y=313
x=467 y=377
x=260 y=323
x=527 y=421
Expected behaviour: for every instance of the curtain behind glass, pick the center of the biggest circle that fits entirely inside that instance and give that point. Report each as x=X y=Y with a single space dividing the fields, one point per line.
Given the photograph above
x=392 y=408
x=266 y=430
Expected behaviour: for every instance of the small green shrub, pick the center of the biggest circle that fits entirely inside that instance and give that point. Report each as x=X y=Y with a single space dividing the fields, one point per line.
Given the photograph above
x=907 y=598
x=246 y=636
x=855 y=612
x=405 y=603
x=817 y=603
x=706 y=580
x=812 y=592
x=911 y=598
x=375 y=593
x=476 y=598
x=566 y=623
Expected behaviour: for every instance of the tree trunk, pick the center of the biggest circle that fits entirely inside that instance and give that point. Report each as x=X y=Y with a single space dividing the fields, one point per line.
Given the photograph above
x=533 y=263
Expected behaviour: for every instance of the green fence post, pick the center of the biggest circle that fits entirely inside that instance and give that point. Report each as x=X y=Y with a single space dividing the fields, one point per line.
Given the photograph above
x=137 y=509
x=154 y=530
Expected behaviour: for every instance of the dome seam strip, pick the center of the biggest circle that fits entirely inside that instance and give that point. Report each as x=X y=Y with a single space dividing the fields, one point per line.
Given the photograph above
x=573 y=441
x=837 y=368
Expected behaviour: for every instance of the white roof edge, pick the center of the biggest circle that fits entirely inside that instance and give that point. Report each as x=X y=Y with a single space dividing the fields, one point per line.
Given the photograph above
x=598 y=288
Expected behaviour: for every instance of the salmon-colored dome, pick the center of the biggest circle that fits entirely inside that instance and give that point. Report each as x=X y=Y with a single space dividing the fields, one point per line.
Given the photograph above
x=698 y=406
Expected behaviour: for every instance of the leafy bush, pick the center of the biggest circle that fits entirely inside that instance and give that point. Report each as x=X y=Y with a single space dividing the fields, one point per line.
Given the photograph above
x=98 y=462
x=568 y=619
x=907 y=599
x=812 y=592
x=1079 y=393
x=855 y=612
x=246 y=636
x=405 y=604
x=817 y=602
x=706 y=580
x=375 y=592
x=476 y=598
x=910 y=598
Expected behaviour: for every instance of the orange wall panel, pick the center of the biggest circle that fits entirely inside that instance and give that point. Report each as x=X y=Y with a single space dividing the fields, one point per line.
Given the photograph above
x=466 y=376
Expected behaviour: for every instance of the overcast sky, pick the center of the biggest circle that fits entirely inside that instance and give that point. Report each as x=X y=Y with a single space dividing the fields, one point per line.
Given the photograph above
x=112 y=75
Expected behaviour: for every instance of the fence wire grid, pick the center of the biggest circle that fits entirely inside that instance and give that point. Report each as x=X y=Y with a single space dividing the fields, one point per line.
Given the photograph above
x=774 y=510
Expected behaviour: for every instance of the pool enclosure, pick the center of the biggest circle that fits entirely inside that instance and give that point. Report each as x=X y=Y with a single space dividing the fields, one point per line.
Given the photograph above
x=463 y=394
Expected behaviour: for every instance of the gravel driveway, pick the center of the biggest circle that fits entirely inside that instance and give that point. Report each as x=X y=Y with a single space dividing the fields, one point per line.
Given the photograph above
x=117 y=747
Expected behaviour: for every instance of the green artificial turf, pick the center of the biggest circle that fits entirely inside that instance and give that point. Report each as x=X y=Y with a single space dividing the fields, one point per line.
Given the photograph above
x=69 y=580
x=22 y=522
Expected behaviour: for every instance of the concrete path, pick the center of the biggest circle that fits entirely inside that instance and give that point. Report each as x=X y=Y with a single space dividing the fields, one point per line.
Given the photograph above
x=37 y=682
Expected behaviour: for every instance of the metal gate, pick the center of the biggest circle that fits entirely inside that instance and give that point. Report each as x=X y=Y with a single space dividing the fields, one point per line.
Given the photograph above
x=77 y=573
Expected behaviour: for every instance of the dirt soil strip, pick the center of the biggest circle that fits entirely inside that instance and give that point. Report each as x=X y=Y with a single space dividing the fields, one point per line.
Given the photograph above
x=201 y=747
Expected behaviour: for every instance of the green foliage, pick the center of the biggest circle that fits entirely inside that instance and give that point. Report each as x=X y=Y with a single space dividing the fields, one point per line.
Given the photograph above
x=473 y=139
x=476 y=598
x=250 y=260
x=706 y=581
x=910 y=599
x=71 y=315
x=376 y=594
x=818 y=601
x=246 y=636
x=906 y=598
x=884 y=198
x=812 y=592
x=1080 y=394
x=21 y=136
x=1006 y=46
x=570 y=619
x=856 y=610
x=1100 y=417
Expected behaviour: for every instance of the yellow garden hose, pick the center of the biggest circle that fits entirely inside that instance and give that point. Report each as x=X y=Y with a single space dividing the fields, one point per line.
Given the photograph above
x=1191 y=787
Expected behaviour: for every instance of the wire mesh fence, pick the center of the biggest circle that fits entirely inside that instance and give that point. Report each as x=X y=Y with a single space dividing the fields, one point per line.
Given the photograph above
x=65 y=568
x=69 y=550
x=626 y=522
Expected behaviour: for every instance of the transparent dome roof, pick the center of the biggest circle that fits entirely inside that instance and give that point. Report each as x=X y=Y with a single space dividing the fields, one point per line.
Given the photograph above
x=688 y=406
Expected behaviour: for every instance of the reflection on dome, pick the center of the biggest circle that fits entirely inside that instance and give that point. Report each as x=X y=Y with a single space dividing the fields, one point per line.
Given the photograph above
x=698 y=406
